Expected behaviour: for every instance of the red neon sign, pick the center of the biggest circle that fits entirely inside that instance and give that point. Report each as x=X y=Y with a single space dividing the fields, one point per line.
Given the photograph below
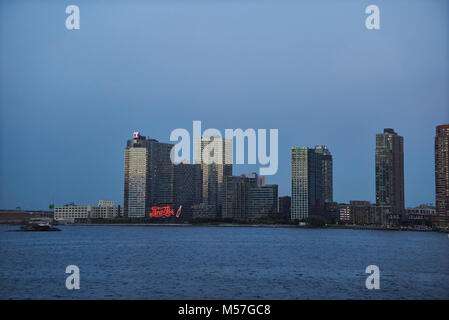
x=158 y=212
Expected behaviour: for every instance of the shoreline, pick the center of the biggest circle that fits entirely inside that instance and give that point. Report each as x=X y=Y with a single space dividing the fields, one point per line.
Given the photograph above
x=253 y=225
x=185 y=225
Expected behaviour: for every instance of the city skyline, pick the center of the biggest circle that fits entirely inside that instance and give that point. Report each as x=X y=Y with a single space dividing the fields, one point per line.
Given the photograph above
x=65 y=110
x=154 y=180
x=322 y=150
x=211 y=158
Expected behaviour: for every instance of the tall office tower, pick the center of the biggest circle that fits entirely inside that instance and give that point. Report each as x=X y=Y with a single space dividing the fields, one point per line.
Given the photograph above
x=442 y=175
x=390 y=171
x=137 y=184
x=307 y=178
x=188 y=180
x=215 y=157
x=160 y=169
x=326 y=167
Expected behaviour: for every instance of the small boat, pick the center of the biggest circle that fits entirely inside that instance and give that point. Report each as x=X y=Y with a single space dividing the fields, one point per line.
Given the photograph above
x=38 y=224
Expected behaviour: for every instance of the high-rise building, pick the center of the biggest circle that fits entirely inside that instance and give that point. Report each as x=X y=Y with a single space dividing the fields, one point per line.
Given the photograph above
x=161 y=175
x=442 y=175
x=215 y=156
x=390 y=171
x=148 y=176
x=307 y=177
x=188 y=181
x=326 y=167
x=137 y=184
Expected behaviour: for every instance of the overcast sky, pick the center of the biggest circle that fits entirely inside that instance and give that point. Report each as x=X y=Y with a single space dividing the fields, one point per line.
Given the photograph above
x=69 y=100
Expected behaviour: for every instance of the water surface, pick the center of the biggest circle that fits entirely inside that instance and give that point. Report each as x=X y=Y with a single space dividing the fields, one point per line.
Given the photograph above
x=150 y=262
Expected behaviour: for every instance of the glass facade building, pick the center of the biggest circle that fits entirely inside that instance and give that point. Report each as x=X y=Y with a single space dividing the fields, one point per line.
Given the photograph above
x=161 y=174
x=215 y=156
x=327 y=172
x=188 y=181
x=389 y=160
x=307 y=179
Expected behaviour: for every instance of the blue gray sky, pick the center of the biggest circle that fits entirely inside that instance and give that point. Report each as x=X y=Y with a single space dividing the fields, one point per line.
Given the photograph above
x=69 y=100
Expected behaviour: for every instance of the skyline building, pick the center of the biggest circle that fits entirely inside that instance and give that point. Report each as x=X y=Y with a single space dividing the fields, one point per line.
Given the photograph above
x=247 y=197
x=389 y=166
x=137 y=184
x=187 y=187
x=327 y=172
x=215 y=156
x=161 y=173
x=263 y=201
x=442 y=175
x=148 y=176
x=104 y=210
x=331 y=212
x=284 y=206
x=307 y=178
x=235 y=194
x=151 y=179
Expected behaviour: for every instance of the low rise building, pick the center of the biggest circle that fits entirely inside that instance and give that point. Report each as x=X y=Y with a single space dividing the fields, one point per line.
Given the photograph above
x=247 y=197
x=331 y=212
x=284 y=207
x=345 y=212
x=104 y=210
x=366 y=213
x=420 y=215
x=263 y=201
x=204 y=211
x=423 y=209
x=363 y=212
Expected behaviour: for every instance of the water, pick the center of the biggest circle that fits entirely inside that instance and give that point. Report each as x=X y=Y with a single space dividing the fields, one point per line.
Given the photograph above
x=144 y=262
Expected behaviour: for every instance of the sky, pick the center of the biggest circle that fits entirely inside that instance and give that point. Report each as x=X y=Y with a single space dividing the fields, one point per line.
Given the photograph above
x=69 y=99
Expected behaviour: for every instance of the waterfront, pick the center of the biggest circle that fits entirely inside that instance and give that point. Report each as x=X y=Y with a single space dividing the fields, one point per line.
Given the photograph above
x=205 y=262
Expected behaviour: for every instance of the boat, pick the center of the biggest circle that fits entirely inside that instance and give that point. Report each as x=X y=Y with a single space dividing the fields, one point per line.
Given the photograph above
x=38 y=224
